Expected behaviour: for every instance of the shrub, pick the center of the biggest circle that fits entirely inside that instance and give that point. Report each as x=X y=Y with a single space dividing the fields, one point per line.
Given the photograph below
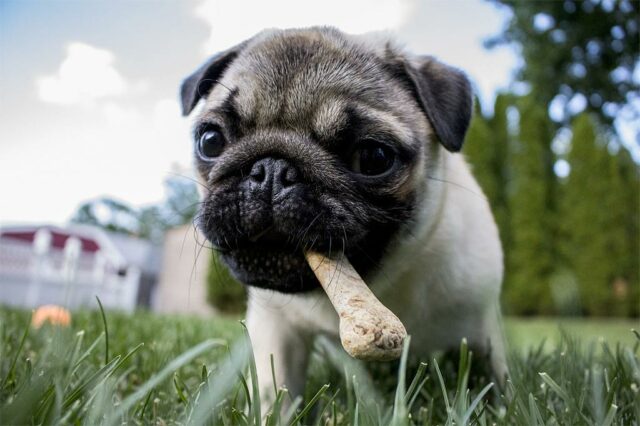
x=224 y=292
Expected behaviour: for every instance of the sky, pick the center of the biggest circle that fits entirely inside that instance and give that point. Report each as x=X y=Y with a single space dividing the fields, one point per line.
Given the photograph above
x=89 y=88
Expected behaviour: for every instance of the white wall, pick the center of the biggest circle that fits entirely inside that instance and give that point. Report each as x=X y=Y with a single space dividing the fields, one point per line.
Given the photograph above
x=182 y=284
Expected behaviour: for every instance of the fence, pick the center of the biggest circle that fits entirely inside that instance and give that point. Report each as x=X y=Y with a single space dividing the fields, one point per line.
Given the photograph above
x=30 y=277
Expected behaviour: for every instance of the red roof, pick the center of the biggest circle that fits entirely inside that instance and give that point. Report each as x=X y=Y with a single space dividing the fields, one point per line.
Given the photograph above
x=58 y=239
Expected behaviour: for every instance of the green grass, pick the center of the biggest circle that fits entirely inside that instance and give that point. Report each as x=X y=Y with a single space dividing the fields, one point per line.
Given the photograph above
x=184 y=370
x=523 y=333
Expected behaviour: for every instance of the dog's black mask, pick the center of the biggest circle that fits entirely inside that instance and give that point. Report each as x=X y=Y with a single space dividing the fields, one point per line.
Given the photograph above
x=264 y=209
x=309 y=145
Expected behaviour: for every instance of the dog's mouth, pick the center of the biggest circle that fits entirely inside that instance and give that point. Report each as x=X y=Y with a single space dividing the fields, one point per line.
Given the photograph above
x=270 y=259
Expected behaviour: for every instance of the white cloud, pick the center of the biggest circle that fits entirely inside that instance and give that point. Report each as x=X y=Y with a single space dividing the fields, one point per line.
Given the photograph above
x=455 y=36
x=424 y=27
x=231 y=22
x=85 y=75
x=124 y=152
x=117 y=114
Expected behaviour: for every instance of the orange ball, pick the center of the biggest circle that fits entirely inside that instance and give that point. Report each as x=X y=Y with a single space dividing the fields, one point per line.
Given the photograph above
x=53 y=314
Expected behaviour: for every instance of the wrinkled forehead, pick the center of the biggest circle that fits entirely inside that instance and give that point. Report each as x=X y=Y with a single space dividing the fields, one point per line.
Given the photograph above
x=316 y=84
x=294 y=78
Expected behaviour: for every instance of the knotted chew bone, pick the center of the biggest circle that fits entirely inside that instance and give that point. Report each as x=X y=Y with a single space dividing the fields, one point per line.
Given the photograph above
x=368 y=330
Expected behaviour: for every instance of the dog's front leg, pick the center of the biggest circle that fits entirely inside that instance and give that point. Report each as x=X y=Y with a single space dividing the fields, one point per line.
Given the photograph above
x=271 y=334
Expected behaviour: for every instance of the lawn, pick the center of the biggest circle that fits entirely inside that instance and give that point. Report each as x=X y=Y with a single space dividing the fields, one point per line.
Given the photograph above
x=151 y=369
x=524 y=333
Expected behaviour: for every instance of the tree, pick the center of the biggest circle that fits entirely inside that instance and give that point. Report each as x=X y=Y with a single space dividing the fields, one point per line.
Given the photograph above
x=109 y=214
x=182 y=201
x=623 y=232
x=501 y=143
x=600 y=216
x=585 y=212
x=479 y=151
x=179 y=208
x=531 y=206
x=630 y=174
x=487 y=149
x=571 y=47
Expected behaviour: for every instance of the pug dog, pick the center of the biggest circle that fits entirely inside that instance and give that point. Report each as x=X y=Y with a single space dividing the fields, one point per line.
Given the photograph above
x=312 y=139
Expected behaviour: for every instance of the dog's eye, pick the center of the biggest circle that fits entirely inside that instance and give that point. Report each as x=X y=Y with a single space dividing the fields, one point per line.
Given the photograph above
x=211 y=144
x=372 y=160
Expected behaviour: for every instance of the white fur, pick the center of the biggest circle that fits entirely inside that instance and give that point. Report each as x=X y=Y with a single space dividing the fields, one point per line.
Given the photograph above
x=442 y=279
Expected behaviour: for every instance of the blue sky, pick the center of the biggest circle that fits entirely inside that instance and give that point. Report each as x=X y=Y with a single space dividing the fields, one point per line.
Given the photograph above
x=88 y=89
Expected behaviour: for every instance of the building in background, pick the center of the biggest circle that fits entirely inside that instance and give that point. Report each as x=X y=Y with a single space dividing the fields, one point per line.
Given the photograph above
x=69 y=266
x=182 y=286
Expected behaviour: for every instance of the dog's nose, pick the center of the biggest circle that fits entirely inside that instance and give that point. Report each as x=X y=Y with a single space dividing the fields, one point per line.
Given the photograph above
x=273 y=176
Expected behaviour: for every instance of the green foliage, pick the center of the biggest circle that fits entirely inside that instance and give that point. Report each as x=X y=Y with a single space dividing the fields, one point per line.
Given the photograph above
x=532 y=208
x=224 y=292
x=179 y=208
x=600 y=217
x=578 y=238
x=487 y=149
x=629 y=210
x=60 y=375
x=571 y=47
x=571 y=245
x=193 y=371
x=480 y=151
x=501 y=143
x=107 y=213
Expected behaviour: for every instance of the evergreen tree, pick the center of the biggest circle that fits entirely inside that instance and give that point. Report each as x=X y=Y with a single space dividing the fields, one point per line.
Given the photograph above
x=591 y=215
x=531 y=206
x=486 y=149
x=500 y=142
x=627 y=221
x=587 y=47
x=479 y=151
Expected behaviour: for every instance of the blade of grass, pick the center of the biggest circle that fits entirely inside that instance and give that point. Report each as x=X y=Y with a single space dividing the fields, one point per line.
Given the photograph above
x=12 y=368
x=534 y=411
x=443 y=388
x=608 y=420
x=422 y=368
x=291 y=411
x=219 y=384
x=356 y=415
x=400 y=410
x=555 y=387
x=245 y=388
x=157 y=378
x=144 y=406
x=106 y=331
x=309 y=405
x=95 y=378
x=87 y=353
x=324 y=408
x=472 y=406
x=273 y=418
x=20 y=410
x=180 y=388
x=273 y=375
x=255 y=386
x=414 y=397
x=98 y=377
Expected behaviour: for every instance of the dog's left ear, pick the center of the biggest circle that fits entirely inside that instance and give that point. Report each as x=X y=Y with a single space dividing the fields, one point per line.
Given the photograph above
x=445 y=95
x=201 y=82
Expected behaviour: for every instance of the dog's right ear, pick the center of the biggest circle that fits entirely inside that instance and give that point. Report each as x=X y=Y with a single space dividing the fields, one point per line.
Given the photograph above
x=199 y=84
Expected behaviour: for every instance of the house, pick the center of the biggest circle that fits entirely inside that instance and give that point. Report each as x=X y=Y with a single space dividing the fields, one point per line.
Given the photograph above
x=71 y=265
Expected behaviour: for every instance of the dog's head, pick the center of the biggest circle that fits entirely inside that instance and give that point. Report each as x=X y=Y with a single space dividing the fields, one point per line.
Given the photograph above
x=312 y=139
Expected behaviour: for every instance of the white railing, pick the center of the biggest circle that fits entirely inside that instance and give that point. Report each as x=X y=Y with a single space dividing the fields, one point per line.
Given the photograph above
x=31 y=277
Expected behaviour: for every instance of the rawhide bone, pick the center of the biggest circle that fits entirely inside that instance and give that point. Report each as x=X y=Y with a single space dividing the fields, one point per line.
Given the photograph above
x=368 y=330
